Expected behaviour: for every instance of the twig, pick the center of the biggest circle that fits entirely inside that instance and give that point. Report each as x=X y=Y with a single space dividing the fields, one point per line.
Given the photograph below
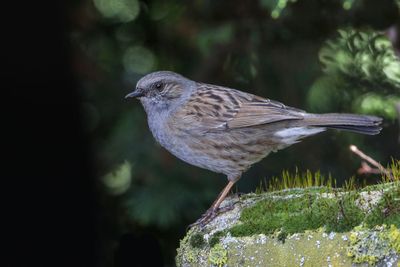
x=355 y=150
x=373 y=162
x=366 y=169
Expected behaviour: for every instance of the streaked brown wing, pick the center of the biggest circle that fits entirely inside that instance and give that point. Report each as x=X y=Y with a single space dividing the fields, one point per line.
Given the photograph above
x=261 y=112
x=214 y=107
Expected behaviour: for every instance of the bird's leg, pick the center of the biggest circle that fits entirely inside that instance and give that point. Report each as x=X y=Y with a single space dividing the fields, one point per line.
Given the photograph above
x=222 y=195
x=212 y=212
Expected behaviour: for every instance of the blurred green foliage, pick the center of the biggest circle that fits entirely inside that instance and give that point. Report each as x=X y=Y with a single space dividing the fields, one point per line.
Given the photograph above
x=118 y=10
x=361 y=70
x=278 y=7
x=266 y=47
x=119 y=180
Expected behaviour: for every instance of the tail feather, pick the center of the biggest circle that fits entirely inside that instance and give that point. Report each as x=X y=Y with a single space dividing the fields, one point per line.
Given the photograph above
x=362 y=124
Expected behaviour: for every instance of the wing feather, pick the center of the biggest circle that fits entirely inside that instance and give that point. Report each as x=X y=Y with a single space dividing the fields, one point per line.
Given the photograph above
x=213 y=108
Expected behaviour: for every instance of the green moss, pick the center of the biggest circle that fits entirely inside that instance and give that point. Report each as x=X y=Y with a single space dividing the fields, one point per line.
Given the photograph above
x=343 y=214
x=218 y=255
x=387 y=211
x=394 y=169
x=296 y=210
x=186 y=252
x=269 y=215
x=297 y=180
x=299 y=213
x=215 y=238
x=197 y=240
x=282 y=236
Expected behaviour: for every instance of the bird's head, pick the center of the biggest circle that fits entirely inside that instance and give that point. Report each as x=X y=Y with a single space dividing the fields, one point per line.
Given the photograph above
x=161 y=90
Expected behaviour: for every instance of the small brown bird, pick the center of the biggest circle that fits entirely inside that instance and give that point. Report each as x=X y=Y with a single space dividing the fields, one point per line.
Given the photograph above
x=225 y=130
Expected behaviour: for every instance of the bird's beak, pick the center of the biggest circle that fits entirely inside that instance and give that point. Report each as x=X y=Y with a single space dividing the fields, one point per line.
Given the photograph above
x=136 y=93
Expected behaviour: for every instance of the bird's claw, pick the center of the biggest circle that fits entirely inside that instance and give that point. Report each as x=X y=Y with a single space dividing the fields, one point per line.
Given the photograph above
x=209 y=215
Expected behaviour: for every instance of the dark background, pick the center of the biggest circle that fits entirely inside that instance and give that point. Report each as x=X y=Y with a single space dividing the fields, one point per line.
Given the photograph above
x=50 y=212
x=66 y=125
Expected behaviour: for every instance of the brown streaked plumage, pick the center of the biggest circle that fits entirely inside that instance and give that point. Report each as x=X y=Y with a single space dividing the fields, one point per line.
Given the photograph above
x=225 y=130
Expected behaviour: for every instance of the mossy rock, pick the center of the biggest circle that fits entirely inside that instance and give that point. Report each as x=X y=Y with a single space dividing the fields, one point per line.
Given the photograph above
x=315 y=226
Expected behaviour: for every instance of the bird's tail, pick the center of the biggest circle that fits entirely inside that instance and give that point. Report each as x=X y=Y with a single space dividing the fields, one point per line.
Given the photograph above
x=362 y=124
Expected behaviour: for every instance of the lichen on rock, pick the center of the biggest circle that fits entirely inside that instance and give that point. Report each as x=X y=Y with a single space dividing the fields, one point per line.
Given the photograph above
x=301 y=227
x=374 y=245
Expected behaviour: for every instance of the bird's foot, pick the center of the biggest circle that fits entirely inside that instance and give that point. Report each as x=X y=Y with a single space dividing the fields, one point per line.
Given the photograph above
x=210 y=214
x=207 y=217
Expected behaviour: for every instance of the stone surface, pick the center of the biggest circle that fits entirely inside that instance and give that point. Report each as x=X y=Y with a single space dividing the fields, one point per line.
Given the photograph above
x=370 y=243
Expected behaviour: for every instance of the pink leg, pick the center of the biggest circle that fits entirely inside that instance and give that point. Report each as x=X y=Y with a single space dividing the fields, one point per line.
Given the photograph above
x=222 y=195
x=212 y=212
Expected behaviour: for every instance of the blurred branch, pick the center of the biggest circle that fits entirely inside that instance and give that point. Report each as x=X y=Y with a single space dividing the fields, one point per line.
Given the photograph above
x=365 y=168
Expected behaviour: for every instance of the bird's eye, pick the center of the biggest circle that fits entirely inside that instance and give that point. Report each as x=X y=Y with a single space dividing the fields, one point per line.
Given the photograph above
x=158 y=86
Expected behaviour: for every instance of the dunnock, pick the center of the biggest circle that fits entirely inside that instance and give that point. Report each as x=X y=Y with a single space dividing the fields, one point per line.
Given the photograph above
x=225 y=130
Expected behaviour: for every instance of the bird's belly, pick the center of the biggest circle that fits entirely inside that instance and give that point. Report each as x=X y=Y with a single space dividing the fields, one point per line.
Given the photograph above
x=193 y=151
x=178 y=144
x=222 y=152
